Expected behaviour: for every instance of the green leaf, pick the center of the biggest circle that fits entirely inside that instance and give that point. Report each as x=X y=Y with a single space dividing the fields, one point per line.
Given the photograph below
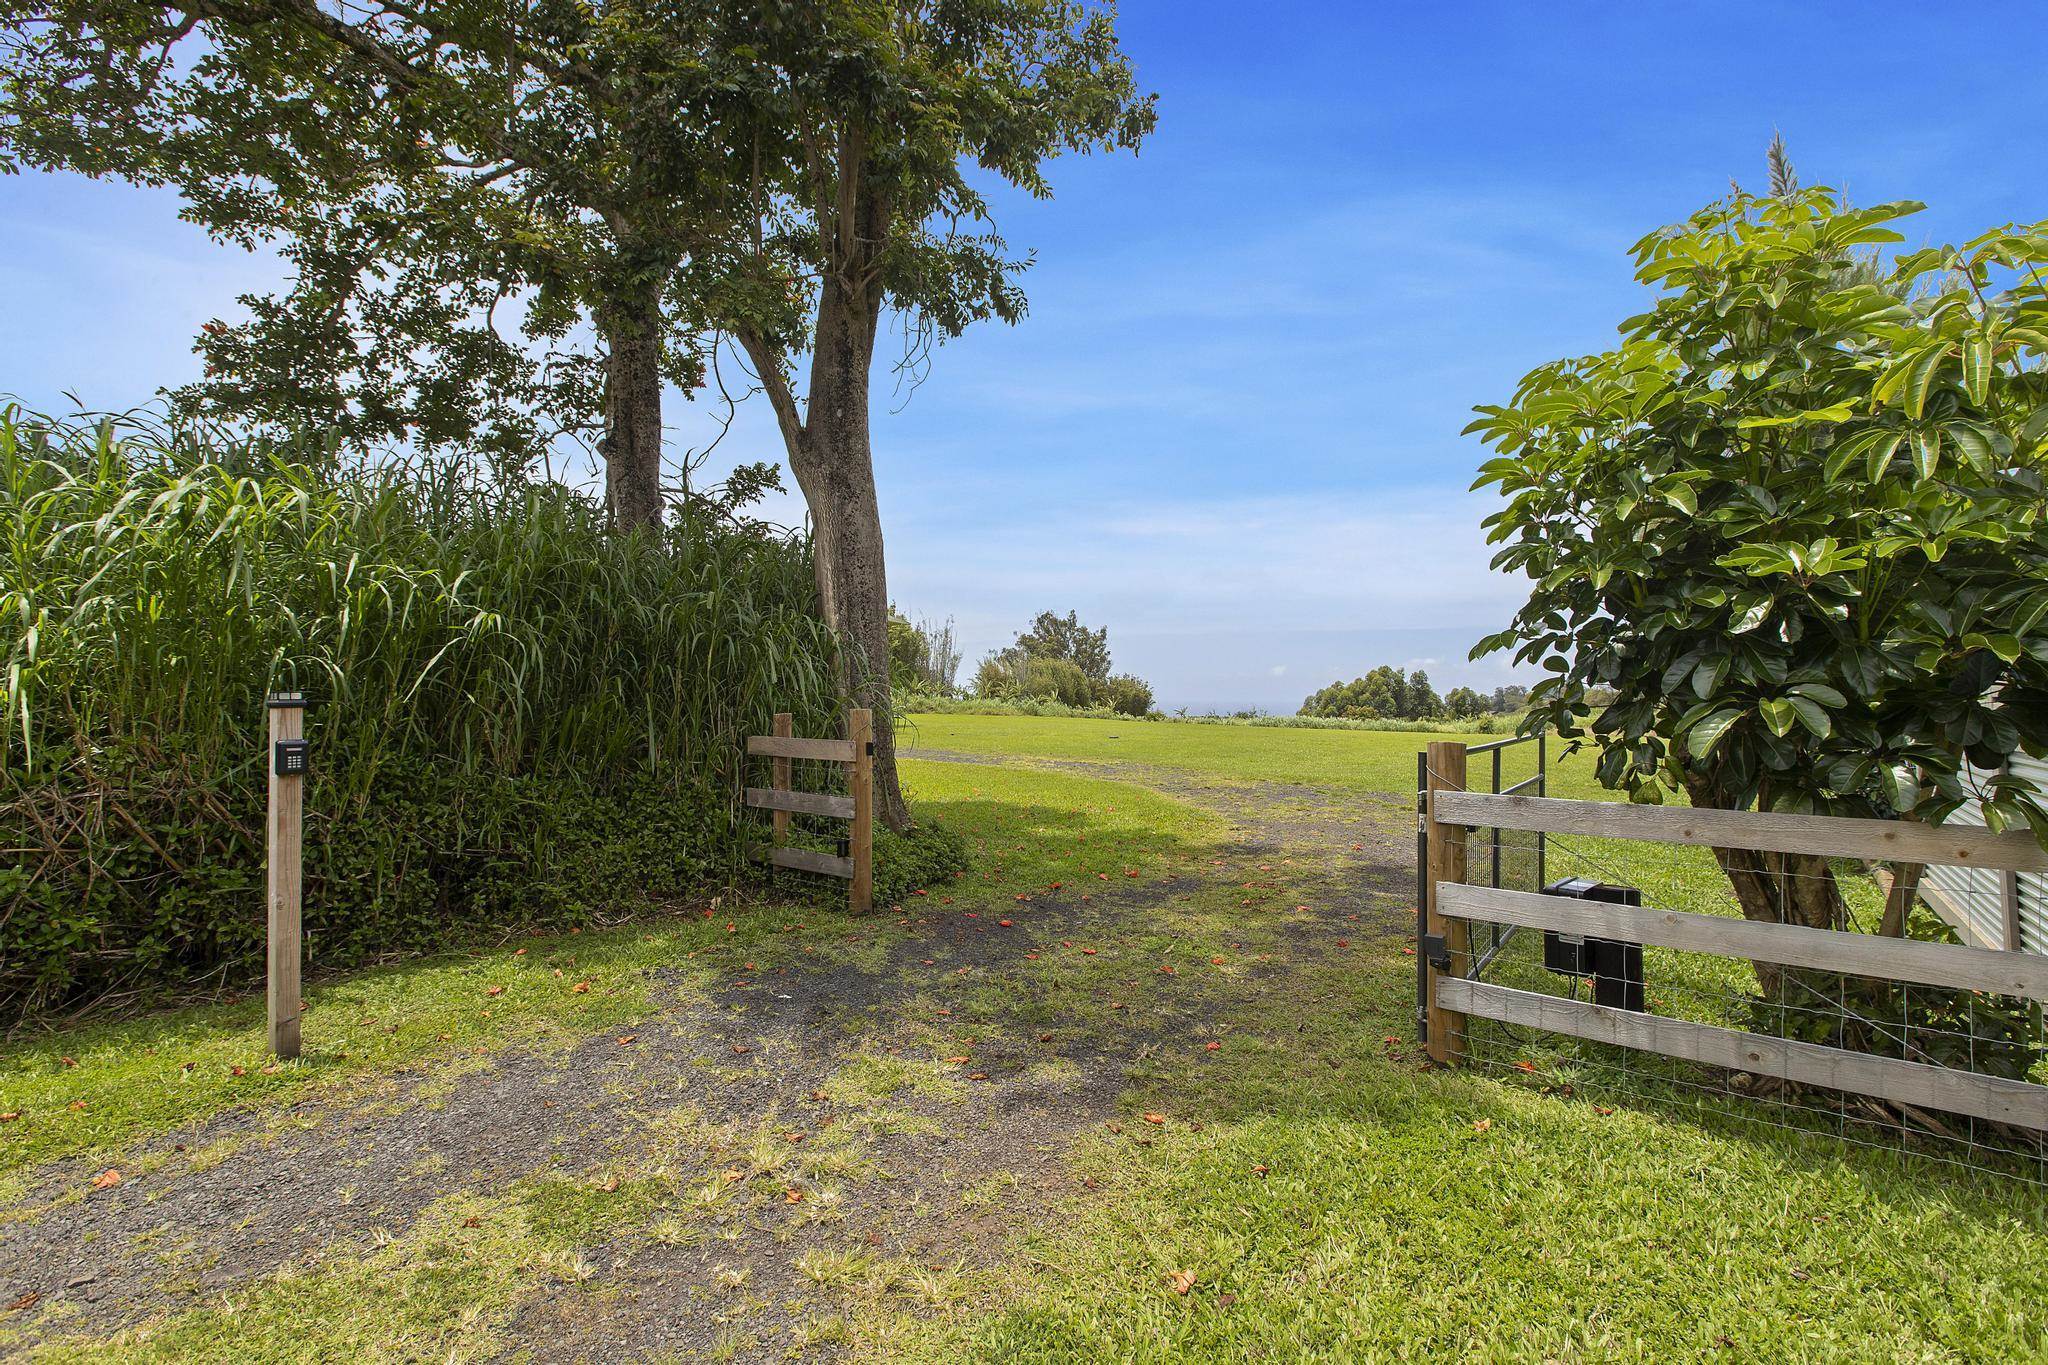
x=1751 y=617
x=1780 y=715
x=1977 y=368
x=1920 y=380
x=1811 y=715
x=1822 y=693
x=1706 y=679
x=1701 y=738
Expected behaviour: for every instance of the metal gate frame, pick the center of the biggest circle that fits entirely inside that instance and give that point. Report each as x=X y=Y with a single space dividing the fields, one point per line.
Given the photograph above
x=1497 y=938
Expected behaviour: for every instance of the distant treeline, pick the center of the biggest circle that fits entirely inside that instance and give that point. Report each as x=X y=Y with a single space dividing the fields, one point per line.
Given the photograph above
x=1386 y=693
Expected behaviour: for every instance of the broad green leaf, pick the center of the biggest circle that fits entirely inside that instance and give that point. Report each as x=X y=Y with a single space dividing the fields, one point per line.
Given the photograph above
x=1701 y=738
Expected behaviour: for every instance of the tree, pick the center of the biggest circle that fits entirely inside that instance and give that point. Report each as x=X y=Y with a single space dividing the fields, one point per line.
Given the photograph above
x=1125 y=694
x=485 y=209
x=922 y=655
x=853 y=145
x=1798 y=524
x=781 y=172
x=1510 y=698
x=1060 y=659
x=1462 y=703
x=907 y=651
x=1419 y=698
x=1064 y=637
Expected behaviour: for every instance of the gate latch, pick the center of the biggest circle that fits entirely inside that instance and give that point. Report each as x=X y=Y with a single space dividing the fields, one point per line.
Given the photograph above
x=1436 y=951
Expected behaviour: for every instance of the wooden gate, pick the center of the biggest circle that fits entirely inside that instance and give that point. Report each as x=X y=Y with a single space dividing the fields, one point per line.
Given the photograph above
x=856 y=753
x=1455 y=996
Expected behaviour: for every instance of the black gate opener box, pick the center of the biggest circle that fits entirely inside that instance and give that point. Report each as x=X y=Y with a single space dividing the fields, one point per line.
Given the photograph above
x=1616 y=967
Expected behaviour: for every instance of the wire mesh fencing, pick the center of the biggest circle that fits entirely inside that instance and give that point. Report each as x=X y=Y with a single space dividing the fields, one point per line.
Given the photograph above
x=1796 y=1021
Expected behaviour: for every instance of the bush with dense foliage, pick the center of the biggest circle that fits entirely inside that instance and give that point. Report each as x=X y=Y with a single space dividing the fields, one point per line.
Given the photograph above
x=1061 y=660
x=516 y=715
x=924 y=660
x=1797 y=524
x=1383 y=693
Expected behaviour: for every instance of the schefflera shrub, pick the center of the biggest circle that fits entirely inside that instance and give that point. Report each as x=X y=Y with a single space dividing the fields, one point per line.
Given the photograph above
x=517 y=715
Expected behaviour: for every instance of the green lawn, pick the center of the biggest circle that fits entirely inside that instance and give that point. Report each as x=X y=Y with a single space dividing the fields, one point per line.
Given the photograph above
x=1347 y=760
x=1307 y=1191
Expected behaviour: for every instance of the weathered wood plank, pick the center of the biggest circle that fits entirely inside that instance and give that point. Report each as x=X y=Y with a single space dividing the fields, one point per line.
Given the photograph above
x=804 y=860
x=1792 y=945
x=284 y=831
x=784 y=729
x=860 y=733
x=781 y=746
x=804 y=803
x=1914 y=1083
x=1446 y=761
x=1836 y=836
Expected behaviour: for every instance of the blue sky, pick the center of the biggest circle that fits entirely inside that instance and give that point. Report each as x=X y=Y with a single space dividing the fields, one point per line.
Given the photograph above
x=1229 y=428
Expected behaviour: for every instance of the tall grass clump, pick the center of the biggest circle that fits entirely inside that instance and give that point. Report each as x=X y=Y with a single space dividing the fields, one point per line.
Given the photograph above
x=517 y=716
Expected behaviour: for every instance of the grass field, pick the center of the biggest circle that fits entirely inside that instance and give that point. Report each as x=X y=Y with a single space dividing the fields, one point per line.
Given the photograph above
x=1140 y=1086
x=1342 y=760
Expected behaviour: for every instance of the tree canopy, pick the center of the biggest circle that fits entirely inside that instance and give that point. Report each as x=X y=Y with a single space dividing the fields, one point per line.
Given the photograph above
x=1797 y=521
x=1060 y=659
x=515 y=221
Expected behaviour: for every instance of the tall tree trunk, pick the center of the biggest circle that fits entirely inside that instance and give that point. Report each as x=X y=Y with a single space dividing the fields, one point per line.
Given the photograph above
x=1774 y=888
x=832 y=456
x=632 y=410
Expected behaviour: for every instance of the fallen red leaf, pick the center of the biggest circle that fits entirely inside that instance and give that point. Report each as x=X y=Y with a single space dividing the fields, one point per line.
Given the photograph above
x=1155 y=1118
x=107 y=1179
x=1211 y=1047
x=495 y=990
x=628 y=1038
x=1181 y=1280
x=581 y=988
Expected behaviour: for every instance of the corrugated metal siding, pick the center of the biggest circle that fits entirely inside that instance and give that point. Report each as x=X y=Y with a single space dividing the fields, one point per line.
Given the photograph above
x=2033 y=888
x=1973 y=900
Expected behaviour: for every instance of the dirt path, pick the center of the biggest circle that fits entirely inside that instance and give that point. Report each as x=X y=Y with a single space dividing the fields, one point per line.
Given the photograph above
x=790 y=1142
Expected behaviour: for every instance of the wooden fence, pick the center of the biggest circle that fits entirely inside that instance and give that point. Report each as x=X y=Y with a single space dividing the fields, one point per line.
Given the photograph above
x=855 y=863
x=1454 y=997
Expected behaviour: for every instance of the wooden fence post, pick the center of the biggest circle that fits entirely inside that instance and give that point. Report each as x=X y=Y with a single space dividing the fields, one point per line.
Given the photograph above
x=783 y=730
x=286 y=760
x=860 y=729
x=1446 y=864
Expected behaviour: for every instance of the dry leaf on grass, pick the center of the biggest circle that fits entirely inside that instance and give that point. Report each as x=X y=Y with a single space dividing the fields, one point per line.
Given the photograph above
x=1481 y=1125
x=107 y=1179
x=1181 y=1280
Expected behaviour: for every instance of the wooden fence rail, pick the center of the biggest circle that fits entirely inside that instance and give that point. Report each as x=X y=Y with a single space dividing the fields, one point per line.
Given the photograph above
x=1831 y=836
x=857 y=753
x=1451 y=906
